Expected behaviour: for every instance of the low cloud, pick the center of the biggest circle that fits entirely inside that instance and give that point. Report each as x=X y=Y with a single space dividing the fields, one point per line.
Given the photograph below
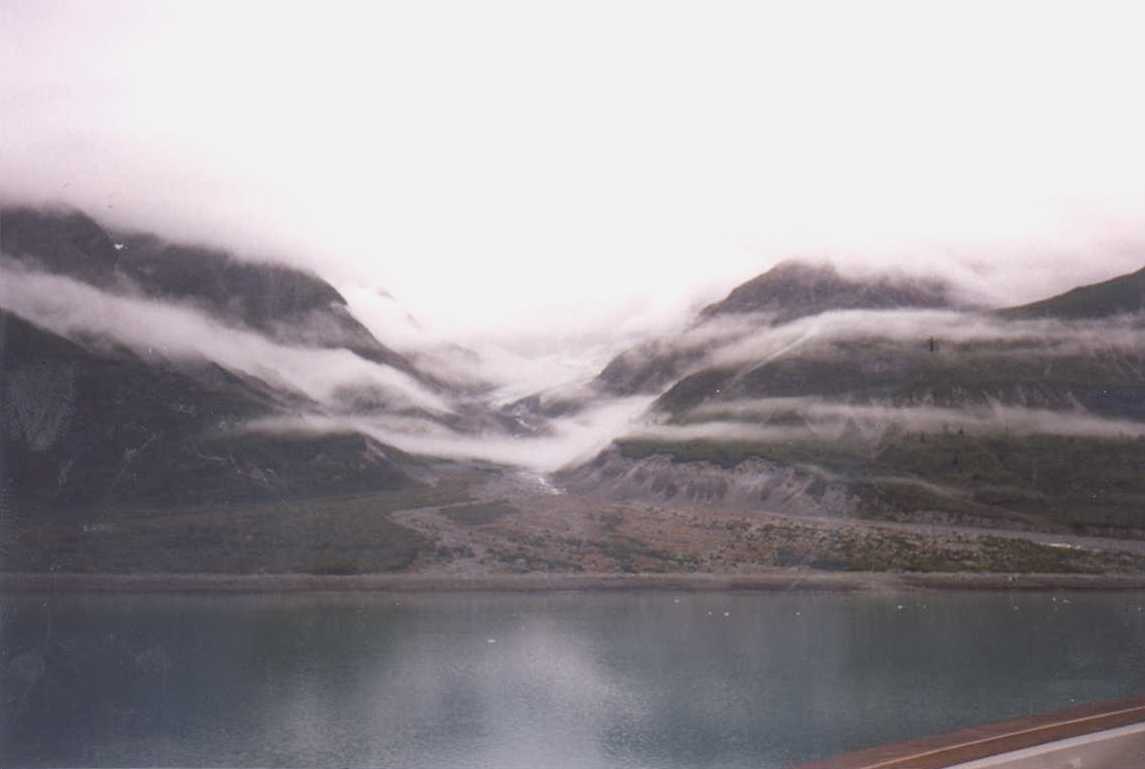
x=182 y=332
x=580 y=208
x=829 y=419
x=748 y=342
x=505 y=370
x=739 y=432
x=568 y=441
x=160 y=330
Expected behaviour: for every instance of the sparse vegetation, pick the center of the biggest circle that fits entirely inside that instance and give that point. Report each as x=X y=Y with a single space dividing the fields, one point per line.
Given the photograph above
x=334 y=535
x=1030 y=481
x=728 y=454
x=478 y=513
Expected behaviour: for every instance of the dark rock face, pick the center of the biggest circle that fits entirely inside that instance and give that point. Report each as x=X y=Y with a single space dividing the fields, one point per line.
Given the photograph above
x=647 y=368
x=1027 y=371
x=83 y=430
x=1122 y=295
x=793 y=290
x=66 y=243
x=789 y=291
x=751 y=485
x=288 y=305
x=911 y=428
x=88 y=427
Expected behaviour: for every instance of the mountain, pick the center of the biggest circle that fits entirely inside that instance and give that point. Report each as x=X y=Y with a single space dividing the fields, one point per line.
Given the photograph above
x=88 y=430
x=787 y=292
x=796 y=289
x=1122 y=295
x=288 y=305
x=92 y=426
x=962 y=416
x=166 y=406
x=647 y=368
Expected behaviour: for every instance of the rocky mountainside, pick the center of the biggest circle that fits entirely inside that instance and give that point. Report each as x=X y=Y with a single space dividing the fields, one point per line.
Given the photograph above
x=1029 y=417
x=1124 y=294
x=789 y=291
x=288 y=305
x=795 y=289
x=160 y=399
x=88 y=423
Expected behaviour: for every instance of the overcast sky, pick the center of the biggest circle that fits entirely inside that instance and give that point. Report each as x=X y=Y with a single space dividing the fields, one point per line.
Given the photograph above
x=542 y=167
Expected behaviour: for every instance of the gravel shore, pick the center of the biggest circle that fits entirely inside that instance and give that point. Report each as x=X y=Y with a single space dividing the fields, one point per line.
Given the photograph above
x=788 y=579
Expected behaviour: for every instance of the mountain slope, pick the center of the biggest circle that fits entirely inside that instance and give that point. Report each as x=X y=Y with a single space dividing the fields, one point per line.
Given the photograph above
x=1117 y=296
x=288 y=305
x=795 y=289
x=85 y=429
x=88 y=424
x=787 y=292
x=969 y=417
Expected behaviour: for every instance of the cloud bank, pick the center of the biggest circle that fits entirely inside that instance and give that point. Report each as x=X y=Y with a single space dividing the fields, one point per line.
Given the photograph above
x=742 y=339
x=181 y=332
x=539 y=172
x=568 y=441
x=825 y=419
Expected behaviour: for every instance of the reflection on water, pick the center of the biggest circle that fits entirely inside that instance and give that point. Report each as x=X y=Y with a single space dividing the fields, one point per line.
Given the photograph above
x=560 y=679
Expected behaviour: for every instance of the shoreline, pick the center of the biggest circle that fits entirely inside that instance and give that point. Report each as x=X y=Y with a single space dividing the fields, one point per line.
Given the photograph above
x=795 y=579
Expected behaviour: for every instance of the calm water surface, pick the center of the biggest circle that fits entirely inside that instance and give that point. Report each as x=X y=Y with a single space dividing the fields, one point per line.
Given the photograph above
x=539 y=680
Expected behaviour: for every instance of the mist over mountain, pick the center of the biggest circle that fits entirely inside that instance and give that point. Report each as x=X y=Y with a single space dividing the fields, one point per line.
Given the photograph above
x=789 y=291
x=795 y=289
x=286 y=304
x=142 y=401
x=138 y=374
x=1122 y=295
x=885 y=400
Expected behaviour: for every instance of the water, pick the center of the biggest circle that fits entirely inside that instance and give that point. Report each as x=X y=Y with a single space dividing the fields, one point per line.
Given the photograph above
x=540 y=680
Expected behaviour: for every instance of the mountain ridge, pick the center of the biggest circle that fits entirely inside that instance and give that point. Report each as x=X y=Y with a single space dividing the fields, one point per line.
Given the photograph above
x=1015 y=418
x=796 y=288
x=287 y=304
x=905 y=422
x=89 y=424
x=1120 y=295
x=790 y=291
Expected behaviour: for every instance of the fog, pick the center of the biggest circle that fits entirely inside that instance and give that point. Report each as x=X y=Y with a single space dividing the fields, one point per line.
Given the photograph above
x=535 y=175
x=735 y=341
x=512 y=368
x=176 y=331
x=872 y=425
x=182 y=332
x=827 y=419
x=510 y=194
x=749 y=341
x=567 y=441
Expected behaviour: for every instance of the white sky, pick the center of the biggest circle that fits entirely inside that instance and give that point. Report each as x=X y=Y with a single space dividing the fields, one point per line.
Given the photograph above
x=585 y=167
